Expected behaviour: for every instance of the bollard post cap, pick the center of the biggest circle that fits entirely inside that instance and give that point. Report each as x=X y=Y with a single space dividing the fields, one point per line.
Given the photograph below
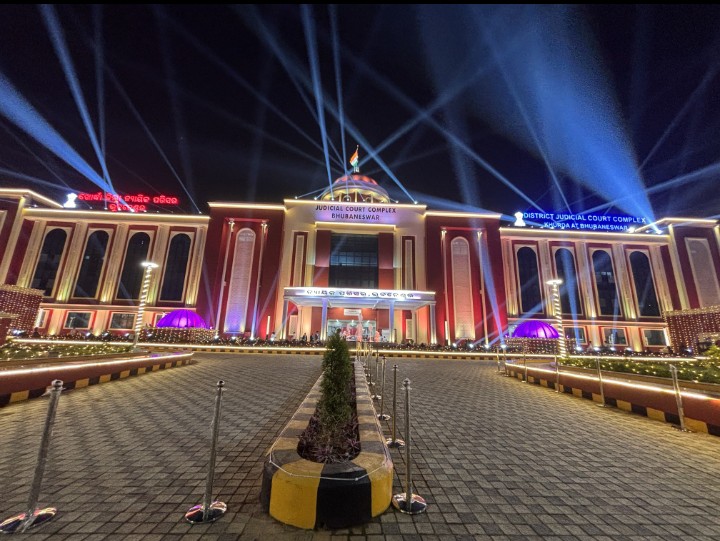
x=220 y=384
x=57 y=384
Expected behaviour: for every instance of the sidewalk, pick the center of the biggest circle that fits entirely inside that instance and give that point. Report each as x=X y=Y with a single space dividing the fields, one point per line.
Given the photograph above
x=494 y=458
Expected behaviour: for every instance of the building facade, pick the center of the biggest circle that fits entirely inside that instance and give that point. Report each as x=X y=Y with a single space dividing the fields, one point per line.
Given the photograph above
x=354 y=260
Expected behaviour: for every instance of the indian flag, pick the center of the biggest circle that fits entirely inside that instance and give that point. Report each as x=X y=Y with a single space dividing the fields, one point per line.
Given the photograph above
x=355 y=158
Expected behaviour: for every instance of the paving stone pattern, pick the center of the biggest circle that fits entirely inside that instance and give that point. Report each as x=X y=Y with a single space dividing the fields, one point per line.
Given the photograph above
x=494 y=458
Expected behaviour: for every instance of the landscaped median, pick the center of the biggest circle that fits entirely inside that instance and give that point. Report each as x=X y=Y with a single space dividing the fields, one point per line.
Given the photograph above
x=312 y=495
x=24 y=379
x=653 y=397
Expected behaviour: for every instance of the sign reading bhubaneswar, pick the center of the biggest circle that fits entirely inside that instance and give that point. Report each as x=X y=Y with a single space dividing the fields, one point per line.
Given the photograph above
x=586 y=222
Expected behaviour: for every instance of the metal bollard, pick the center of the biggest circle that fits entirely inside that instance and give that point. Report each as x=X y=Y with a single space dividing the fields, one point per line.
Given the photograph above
x=504 y=373
x=497 y=355
x=377 y=369
x=602 y=390
x=34 y=516
x=525 y=367
x=375 y=395
x=393 y=442
x=210 y=511
x=383 y=416
x=678 y=398
x=407 y=502
x=557 y=375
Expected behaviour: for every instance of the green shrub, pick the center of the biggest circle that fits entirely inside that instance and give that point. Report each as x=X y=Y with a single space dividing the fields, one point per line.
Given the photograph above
x=334 y=406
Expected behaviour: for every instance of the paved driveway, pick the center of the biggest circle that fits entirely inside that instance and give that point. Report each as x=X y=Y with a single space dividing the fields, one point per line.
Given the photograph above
x=495 y=458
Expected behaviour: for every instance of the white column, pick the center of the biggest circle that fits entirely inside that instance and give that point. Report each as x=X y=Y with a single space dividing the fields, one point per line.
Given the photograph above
x=392 y=321
x=283 y=330
x=433 y=325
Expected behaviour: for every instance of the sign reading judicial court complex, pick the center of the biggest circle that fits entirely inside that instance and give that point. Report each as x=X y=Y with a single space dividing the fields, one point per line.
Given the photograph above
x=358 y=213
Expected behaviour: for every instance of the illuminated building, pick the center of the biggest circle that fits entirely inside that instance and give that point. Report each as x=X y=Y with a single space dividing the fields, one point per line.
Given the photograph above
x=354 y=260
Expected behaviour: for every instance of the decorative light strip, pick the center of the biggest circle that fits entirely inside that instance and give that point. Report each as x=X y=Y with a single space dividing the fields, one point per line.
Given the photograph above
x=647 y=387
x=458 y=214
x=353 y=225
x=264 y=206
x=56 y=366
x=520 y=231
x=115 y=216
x=478 y=353
x=315 y=202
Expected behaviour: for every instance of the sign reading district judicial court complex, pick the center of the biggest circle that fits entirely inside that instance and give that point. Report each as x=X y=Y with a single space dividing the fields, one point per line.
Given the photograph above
x=587 y=222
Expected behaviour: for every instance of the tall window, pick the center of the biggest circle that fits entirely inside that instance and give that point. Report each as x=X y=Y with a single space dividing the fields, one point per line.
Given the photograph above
x=530 y=299
x=569 y=296
x=644 y=286
x=608 y=302
x=176 y=268
x=92 y=265
x=49 y=261
x=354 y=261
x=132 y=272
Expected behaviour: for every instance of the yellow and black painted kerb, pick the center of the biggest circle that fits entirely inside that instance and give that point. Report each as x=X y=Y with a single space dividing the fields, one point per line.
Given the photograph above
x=310 y=495
x=693 y=424
x=19 y=396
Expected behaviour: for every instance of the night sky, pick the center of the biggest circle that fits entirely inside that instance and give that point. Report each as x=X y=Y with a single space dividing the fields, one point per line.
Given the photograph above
x=472 y=107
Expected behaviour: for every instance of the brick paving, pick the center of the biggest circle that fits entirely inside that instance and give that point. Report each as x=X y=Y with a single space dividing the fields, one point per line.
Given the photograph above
x=494 y=458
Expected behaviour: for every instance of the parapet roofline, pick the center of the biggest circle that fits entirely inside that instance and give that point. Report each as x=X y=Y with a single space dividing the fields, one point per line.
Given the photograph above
x=20 y=192
x=698 y=222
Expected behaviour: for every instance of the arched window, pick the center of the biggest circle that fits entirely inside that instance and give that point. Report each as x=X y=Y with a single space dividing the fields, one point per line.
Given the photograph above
x=132 y=272
x=49 y=261
x=176 y=268
x=462 y=288
x=239 y=284
x=644 y=286
x=92 y=265
x=530 y=299
x=608 y=303
x=569 y=296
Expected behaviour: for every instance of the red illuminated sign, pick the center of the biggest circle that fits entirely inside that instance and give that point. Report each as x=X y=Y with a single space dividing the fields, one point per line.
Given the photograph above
x=130 y=202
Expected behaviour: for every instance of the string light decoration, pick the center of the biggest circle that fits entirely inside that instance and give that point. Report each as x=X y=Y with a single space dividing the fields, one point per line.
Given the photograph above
x=686 y=326
x=149 y=266
x=557 y=312
x=23 y=302
x=177 y=335
x=548 y=346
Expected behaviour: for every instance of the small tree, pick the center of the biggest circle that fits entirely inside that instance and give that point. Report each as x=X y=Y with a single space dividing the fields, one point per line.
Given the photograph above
x=334 y=406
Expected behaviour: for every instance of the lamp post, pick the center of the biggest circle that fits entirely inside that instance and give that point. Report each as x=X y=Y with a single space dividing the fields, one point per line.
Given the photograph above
x=557 y=312
x=149 y=266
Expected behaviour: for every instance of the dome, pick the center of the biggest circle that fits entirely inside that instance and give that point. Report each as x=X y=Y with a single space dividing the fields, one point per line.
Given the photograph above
x=182 y=319
x=355 y=188
x=535 y=329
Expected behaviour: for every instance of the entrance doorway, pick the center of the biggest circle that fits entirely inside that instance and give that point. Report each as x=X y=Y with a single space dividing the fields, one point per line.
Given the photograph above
x=352 y=329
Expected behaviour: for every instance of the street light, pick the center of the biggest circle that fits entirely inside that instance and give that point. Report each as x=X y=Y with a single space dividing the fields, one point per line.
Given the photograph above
x=557 y=312
x=149 y=266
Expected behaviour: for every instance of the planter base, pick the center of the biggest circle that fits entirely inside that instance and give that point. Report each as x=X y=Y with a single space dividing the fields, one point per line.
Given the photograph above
x=311 y=495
